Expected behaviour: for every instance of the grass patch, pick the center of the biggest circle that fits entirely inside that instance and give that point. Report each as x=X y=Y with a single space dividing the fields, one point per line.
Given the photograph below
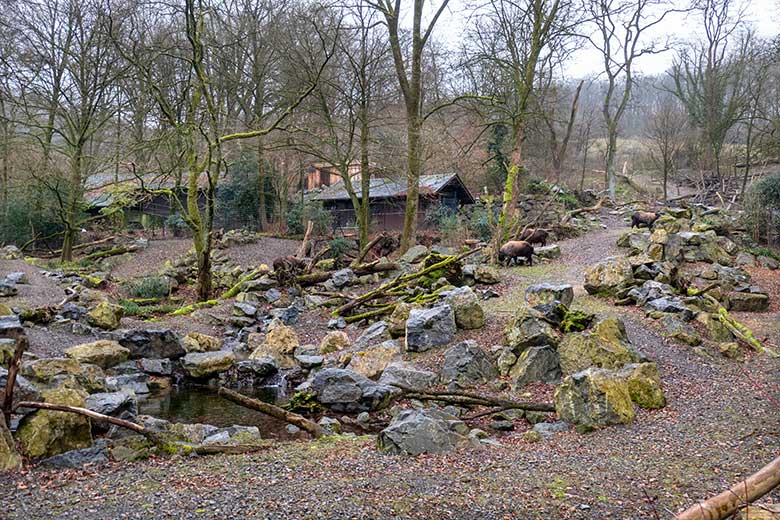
x=764 y=251
x=148 y=287
x=146 y=311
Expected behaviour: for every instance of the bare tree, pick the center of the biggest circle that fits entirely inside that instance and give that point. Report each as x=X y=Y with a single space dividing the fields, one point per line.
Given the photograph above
x=621 y=27
x=666 y=131
x=709 y=77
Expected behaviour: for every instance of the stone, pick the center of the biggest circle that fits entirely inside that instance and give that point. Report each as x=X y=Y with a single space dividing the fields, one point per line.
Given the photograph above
x=105 y=316
x=11 y=253
x=505 y=360
x=650 y=290
x=287 y=315
x=414 y=432
x=644 y=384
x=18 y=277
x=377 y=332
x=122 y=405
x=548 y=429
x=536 y=364
x=466 y=307
x=428 y=328
x=347 y=391
x=408 y=375
x=466 y=364
x=636 y=241
x=71 y=311
x=76 y=459
x=280 y=343
x=549 y=293
x=604 y=346
x=309 y=362
x=201 y=365
x=767 y=262
x=45 y=433
x=659 y=236
x=133 y=383
x=396 y=322
x=250 y=373
x=41 y=315
x=197 y=342
x=244 y=309
x=730 y=350
x=343 y=278
x=24 y=389
x=486 y=274
x=150 y=343
x=748 y=302
x=529 y=330
x=745 y=259
x=51 y=370
x=594 y=398
x=8 y=289
x=158 y=367
x=415 y=254
x=272 y=295
x=549 y=252
x=716 y=330
x=330 y=425
x=103 y=353
x=669 y=306
x=502 y=425
x=372 y=361
x=609 y=276
x=337 y=323
x=681 y=331
x=334 y=341
x=10 y=326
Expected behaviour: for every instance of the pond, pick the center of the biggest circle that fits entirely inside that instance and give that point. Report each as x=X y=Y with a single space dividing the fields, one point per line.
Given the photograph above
x=197 y=404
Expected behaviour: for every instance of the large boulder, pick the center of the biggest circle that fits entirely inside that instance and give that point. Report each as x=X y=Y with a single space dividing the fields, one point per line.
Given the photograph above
x=530 y=329
x=536 y=364
x=103 y=353
x=636 y=241
x=677 y=329
x=748 y=301
x=609 y=276
x=650 y=290
x=594 y=398
x=466 y=364
x=644 y=384
x=396 y=322
x=465 y=305
x=334 y=341
x=24 y=389
x=486 y=274
x=150 y=343
x=667 y=305
x=122 y=405
x=414 y=432
x=280 y=343
x=427 y=328
x=197 y=342
x=604 y=346
x=415 y=254
x=343 y=277
x=201 y=365
x=372 y=361
x=54 y=371
x=251 y=373
x=44 y=433
x=407 y=375
x=549 y=293
x=105 y=315
x=347 y=391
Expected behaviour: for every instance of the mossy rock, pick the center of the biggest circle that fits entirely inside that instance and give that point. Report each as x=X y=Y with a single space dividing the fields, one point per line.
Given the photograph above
x=576 y=321
x=103 y=353
x=453 y=272
x=644 y=384
x=305 y=402
x=594 y=398
x=105 y=315
x=45 y=433
x=604 y=346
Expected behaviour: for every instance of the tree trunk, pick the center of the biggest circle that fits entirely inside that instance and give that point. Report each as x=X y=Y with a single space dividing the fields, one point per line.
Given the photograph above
x=204 y=271
x=610 y=160
x=261 y=211
x=365 y=178
x=414 y=167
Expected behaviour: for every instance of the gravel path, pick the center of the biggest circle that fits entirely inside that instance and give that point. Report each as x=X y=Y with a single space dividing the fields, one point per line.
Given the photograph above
x=720 y=424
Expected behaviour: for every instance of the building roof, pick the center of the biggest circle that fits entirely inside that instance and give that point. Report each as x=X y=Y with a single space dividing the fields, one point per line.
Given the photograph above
x=384 y=188
x=101 y=189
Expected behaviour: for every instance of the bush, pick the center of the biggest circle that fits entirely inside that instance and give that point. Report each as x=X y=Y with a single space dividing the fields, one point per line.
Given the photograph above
x=339 y=247
x=477 y=222
x=762 y=206
x=299 y=214
x=148 y=287
x=175 y=223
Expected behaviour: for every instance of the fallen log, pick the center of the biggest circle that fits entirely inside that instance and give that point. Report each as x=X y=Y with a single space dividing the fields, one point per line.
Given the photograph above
x=367 y=249
x=471 y=398
x=272 y=410
x=728 y=502
x=596 y=207
x=320 y=276
x=739 y=330
x=114 y=251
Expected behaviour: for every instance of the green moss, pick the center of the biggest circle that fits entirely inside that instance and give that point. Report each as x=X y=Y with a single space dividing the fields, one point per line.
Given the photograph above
x=304 y=402
x=576 y=321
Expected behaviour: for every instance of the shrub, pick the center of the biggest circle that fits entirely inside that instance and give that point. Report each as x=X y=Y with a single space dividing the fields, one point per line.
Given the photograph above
x=477 y=222
x=175 y=223
x=762 y=206
x=299 y=214
x=339 y=247
x=148 y=287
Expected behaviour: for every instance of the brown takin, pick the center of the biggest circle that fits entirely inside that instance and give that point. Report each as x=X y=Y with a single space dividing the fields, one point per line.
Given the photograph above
x=515 y=249
x=643 y=218
x=534 y=236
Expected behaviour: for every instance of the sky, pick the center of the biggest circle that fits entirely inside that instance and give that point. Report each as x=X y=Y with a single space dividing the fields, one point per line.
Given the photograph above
x=763 y=15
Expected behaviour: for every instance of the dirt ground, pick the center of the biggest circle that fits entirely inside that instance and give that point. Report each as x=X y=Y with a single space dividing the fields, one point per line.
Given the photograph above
x=721 y=424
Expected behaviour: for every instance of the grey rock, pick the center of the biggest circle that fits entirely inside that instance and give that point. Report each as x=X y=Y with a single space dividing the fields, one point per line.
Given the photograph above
x=346 y=391
x=465 y=305
x=10 y=326
x=594 y=398
x=128 y=382
x=551 y=252
x=528 y=329
x=549 y=293
x=72 y=311
x=122 y=405
x=330 y=425
x=376 y=333
x=536 y=364
x=502 y=425
x=427 y=328
x=407 y=375
x=337 y=323
x=548 y=429
x=250 y=373
x=76 y=459
x=307 y=361
x=288 y=315
x=24 y=389
x=244 y=309
x=467 y=364
x=157 y=367
x=272 y=295
x=343 y=278
x=415 y=254
x=414 y=432
x=150 y=343
x=670 y=306
x=17 y=278
x=8 y=289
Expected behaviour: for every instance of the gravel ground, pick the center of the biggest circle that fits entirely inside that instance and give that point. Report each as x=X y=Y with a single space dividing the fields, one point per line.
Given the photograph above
x=720 y=424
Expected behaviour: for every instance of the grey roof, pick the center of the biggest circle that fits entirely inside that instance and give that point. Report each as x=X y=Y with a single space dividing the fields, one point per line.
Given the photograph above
x=383 y=188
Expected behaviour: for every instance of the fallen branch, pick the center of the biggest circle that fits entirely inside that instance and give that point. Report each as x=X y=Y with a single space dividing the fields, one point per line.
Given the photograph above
x=739 y=330
x=78 y=247
x=471 y=398
x=272 y=410
x=302 y=250
x=367 y=249
x=596 y=207
x=728 y=502
x=114 y=251
x=320 y=276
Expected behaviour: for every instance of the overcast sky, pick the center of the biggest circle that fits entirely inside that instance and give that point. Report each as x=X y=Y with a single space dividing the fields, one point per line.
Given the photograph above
x=764 y=15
